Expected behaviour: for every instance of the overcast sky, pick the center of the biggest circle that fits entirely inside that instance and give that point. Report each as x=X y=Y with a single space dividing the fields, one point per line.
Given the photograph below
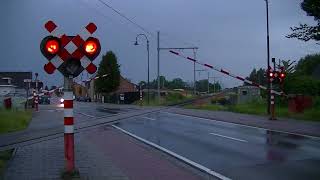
x=230 y=34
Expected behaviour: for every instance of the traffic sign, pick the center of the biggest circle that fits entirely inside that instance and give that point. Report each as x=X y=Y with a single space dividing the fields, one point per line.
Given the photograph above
x=70 y=54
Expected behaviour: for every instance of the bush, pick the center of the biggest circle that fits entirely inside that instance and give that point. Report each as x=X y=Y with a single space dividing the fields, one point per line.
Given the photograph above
x=297 y=84
x=220 y=100
x=173 y=97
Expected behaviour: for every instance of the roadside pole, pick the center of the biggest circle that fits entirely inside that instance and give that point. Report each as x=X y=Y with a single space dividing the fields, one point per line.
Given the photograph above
x=272 y=103
x=140 y=95
x=37 y=102
x=68 y=125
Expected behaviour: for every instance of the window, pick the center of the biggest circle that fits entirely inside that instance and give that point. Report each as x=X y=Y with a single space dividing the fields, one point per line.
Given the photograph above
x=244 y=93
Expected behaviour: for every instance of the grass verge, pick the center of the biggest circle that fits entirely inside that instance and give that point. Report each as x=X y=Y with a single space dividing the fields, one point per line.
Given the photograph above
x=14 y=120
x=169 y=99
x=259 y=108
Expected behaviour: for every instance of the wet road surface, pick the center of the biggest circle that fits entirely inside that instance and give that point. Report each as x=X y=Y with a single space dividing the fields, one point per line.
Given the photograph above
x=235 y=151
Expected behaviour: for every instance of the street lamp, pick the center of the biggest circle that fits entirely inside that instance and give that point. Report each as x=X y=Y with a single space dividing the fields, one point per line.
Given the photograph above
x=136 y=43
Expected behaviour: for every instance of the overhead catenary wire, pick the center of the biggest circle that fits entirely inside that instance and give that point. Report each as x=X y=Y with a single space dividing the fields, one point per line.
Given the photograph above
x=125 y=17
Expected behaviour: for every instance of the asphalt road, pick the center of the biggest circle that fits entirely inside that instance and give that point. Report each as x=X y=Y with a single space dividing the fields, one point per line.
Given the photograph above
x=234 y=151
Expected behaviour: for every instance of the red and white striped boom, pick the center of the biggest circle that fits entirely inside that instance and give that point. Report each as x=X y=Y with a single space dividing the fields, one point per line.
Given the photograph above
x=225 y=72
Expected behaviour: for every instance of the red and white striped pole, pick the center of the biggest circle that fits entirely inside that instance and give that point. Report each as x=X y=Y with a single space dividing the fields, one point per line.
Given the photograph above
x=140 y=95
x=37 y=102
x=68 y=126
x=272 y=104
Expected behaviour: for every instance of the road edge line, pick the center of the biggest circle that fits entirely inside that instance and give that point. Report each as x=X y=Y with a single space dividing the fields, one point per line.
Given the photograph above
x=177 y=156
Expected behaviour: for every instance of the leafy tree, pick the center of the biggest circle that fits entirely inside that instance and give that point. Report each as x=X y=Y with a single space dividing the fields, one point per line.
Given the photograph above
x=307 y=65
x=307 y=32
x=108 y=65
x=258 y=77
x=216 y=87
x=301 y=84
x=288 y=65
x=202 y=85
x=177 y=83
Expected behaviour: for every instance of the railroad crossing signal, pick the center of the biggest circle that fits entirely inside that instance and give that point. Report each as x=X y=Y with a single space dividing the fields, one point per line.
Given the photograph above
x=70 y=54
x=276 y=76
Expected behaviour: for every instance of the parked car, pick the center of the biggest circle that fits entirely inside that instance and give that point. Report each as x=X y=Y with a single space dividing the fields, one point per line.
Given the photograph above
x=83 y=99
x=44 y=100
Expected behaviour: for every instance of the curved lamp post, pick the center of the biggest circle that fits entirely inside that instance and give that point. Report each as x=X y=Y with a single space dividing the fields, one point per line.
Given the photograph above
x=136 y=43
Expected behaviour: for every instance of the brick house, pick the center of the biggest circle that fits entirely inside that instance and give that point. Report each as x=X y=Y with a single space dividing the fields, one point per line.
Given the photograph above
x=80 y=90
x=125 y=87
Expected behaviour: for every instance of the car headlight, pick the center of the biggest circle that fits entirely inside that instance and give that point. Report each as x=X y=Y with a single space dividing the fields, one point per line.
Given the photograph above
x=61 y=100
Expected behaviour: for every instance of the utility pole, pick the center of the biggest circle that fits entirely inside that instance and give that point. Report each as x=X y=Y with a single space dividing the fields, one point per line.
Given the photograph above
x=158 y=78
x=194 y=72
x=268 y=57
x=172 y=48
x=214 y=83
x=208 y=82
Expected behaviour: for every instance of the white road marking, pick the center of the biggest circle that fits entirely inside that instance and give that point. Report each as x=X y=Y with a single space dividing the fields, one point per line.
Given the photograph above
x=236 y=139
x=243 y=125
x=152 y=119
x=86 y=115
x=188 y=161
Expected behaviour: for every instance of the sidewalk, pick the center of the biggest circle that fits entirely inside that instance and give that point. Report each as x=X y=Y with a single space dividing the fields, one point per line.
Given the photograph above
x=101 y=153
x=282 y=124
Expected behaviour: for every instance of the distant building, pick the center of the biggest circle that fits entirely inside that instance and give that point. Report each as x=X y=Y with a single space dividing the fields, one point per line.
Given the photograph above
x=6 y=87
x=125 y=87
x=16 y=83
x=80 y=90
x=247 y=93
x=16 y=78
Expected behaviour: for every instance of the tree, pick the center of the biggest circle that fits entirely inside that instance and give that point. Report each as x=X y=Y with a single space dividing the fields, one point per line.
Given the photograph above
x=303 y=79
x=307 y=32
x=258 y=77
x=176 y=83
x=108 y=65
x=308 y=65
x=288 y=65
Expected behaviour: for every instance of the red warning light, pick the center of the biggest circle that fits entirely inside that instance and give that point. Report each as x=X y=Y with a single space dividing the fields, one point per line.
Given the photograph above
x=282 y=75
x=271 y=74
x=90 y=47
x=52 y=46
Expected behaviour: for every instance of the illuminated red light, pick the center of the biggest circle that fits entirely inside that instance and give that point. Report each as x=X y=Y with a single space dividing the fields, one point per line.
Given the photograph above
x=282 y=75
x=271 y=74
x=52 y=46
x=90 y=47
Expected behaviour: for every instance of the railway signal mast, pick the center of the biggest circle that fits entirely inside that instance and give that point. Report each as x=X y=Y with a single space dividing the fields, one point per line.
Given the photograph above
x=70 y=55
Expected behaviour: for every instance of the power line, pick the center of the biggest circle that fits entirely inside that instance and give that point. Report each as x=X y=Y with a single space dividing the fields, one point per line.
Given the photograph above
x=125 y=17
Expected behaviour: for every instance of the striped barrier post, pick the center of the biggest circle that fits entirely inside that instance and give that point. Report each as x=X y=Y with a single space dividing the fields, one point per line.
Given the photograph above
x=68 y=127
x=140 y=95
x=36 y=102
x=272 y=105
